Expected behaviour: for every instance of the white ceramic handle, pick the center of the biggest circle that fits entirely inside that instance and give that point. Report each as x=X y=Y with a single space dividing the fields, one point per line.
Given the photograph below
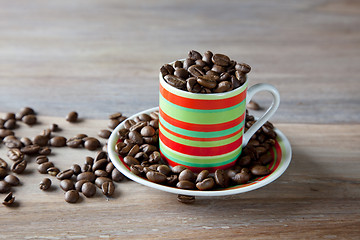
x=271 y=110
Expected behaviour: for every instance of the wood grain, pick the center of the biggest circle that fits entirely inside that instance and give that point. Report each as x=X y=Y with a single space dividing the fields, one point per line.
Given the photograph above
x=98 y=57
x=316 y=198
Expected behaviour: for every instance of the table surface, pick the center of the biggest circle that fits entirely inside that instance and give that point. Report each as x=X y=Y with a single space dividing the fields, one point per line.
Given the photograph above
x=100 y=57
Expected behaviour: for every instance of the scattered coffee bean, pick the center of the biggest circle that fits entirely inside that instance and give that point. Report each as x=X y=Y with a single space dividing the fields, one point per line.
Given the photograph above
x=45 y=151
x=88 y=189
x=66 y=174
x=54 y=127
x=19 y=166
x=3 y=173
x=10 y=124
x=78 y=184
x=12 y=180
x=43 y=167
x=25 y=111
x=185 y=199
x=76 y=169
x=30 y=149
x=3 y=164
x=107 y=188
x=4 y=187
x=26 y=141
x=86 y=176
x=15 y=154
x=92 y=144
x=41 y=140
x=100 y=180
x=117 y=176
x=9 y=199
x=58 y=141
x=71 y=196
x=185 y=184
x=72 y=117
x=45 y=184
x=67 y=185
x=41 y=159
x=5 y=132
x=29 y=119
x=104 y=133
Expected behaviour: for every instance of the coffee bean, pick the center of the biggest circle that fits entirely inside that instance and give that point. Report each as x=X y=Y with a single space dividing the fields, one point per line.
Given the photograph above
x=196 y=71
x=41 y=140
x=242 y=177
x=181 y=73
x=101 y=155
x=187 y=175
x=100 y=173
x=9 y=199
x=172 y=180
x=131 y=161
x=136 y=137
x=92 y=144
x=5 y=132
x=54 y=127
x=117 y=176
x=53 y=171
x=3 y=164
x=71 y=196
x=104 y=133
x=192 y=85
x=206 y=184
x=81 y=136
x=41 y=159
x=244 y=161
x=129 y=123
x=154 y=157
x=178 y=169
x=137 y=169
x=265 y=159
x=221 y=178
x=188 y=62
x=178 y=64
x=67 y=185
x=26 y=141
x=243 y=67
x=100 y=180
x=74 y=142
x=3 y=173
x=10 y=124
x=45 y=151
x=43 y=167
x=115 y=115
x=185 y=199
x=58 y=141
x=166 y=70
x=99 y=164
x=175 y=81
x=86 y=168
x=76 y=169
x=10 y=116
x=89 y=160
x=66 y=174
x=4 y=187
x=25 y=111
x=241 y=77
x=87 y=176
x=88 y=189
x=109 y=167
x=15 y=154
x=156 y=177
x=207 y=81
x=108 y=188
x=185 y=184
x=12 y=180
x=207 y=57
x=194 y=55
x=164 y=169
x=78 y=184
x=221 y=60
x=259 y=170
x=202 y=175
x=113 y=123
x=19 y=166
x=147 y=131
x=30 y=149
x=222 y=87
x=72 y=117
x=29 y=119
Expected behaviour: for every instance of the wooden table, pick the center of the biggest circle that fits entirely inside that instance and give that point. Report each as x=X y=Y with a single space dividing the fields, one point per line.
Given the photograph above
x=100 y=57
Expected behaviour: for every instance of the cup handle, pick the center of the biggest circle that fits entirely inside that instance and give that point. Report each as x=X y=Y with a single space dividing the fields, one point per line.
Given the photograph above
x=270 y=111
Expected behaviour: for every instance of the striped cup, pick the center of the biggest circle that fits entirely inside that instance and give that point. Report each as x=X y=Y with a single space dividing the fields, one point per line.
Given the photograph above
x=206 y=131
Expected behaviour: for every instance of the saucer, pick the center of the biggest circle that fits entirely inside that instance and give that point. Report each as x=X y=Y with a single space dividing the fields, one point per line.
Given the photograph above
x=281 y=152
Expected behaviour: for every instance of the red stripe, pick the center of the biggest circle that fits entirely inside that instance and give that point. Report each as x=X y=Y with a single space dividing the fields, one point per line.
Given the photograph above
x=202 y=104
x=200 y=151
x=198 y=169
x=201 y=127
x=201 y=139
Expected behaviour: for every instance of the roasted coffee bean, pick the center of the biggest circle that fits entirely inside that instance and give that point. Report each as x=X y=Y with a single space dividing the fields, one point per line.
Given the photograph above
x=19 y=166
x=259 y=170
x=200 y=63
x=151 y=140
x=221 y=60
x=129 y=123
x=172 y=180
x=25 y=111
x=30 y=149
x=137 y=169
x=99 y=164
x=43 y=167
x=29 y=119
x=142 y=157
x=104 y=133
x=117 y=176
x=243 y=67
x=101 y=155
x=86 y=168
x=58 y=141
x=81 y=136
x=41 y=140
x=5 y=132
x=88 y=189
x=207 y=57
x=222 y=87
x=100 y=180
x=71 y=196
x=9 y=199
x=92 y=144
x=185 y=184
x=10 y=124
x=74 y=142
x=123 y=133
x=109 y=167
x=218 y=69
x=269 y=132
x=4 y=187
x=12 y=142
x=26 y=141
x=224 y=76
x=136 y=137
x=3 y=164
x=156 y=177
x=45 y=151
x=241 y=77
x=202 y=175
x=113 y=123
x=244 y=161
x=148 y=148
x=187 y=174
x=166 y=70
x=175 y=81
x=265 y=159
x=207 y=81
x=154 y=115
x=242 y=177
x=108 y=188
x=54 y=127
x=131 y=161
x=154 y=157
x=178 y=64
x=46 y=133
x=181 y=73
x=194 y=55
x=76 y=169
x=100 y=173
x=12 y=180
x=188 y=62
x=15 y=154
x=206 y=184
x=196 y=71
x=192 y=85
x=72 y=117
x=78 y=184
x=185 y=199
x=234 y=82
x=115 y=115
x=87 y=176
x=66 y=174
x=164 y=169
x=67 y=185
x=147 y=131
x=89 y=161
x=253 y=105
x=41 y=159
x=221 y=178
x=3 y=173
x=10 y=116
x=178 y=169
x=53 y=171
x=138 y=126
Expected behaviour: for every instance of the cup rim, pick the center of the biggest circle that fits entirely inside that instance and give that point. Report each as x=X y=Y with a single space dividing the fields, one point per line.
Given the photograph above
x=174 y=89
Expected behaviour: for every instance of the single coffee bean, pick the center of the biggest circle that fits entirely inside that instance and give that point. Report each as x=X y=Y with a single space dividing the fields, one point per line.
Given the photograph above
x=41 y=140
x=117 y=176
x=207 y=57
x=19 y=166
x=5 y=132
x=243 y=67
x=115 y=115
x=74 y=142
x=187 y=174
x=131 y=161
x=164 y=169
x=166 y=70
x=185 y=184
x=194 y=55
x=242 y=177
x=241 y=77
x=72 y=117
x=58 y=141
x=89 y=160
x=188 y=62
x=45 y=151
x=221 y=178
x=9 y=199
x=202 y=175
x=234 y=82
x=172 y=180
x=206 y=184
x=87 y=176
x=10 y=115
x=222 y=87
x=3 y=173
x=259 y=170
x=154 y=157
x=109 y=167
x=100 y=173
x=196 y=71
x=175 y=81
x=76 y=169
x=221 y=60
x=104 y=133
x=43 y=167
x=178 y=169
x=41 y=159
x=53 y=171
x=137 y=169
x=147 y=131
x=92 y=144
x=3 y=164
x=185 y=199
x=113 y=123
x=10 y=124
x=129 y=123
x=71 y=196
x=269 y=132
x=26 y=141
x=15 y=154
x=148 y=148
x=265 y=159
x=108 y=188
x=201 y=63
x=123 y=133
x=178 y=64
x=67 y=185
x=4 y=187
x=206 y=81
x=136 y=137
x=78 y=184
x=29 y=119
x=88 y=189
x=100 y=180
x=99 y=164
x=101 y=155
x=12 y=142
x=30 y=149
x=54 y=127
x=156 y=177
x=66 y=174
x=224 y=77
x=244 y=161
x=12 y=180
x=218 y=69
x=181 y=73
x=86 y=168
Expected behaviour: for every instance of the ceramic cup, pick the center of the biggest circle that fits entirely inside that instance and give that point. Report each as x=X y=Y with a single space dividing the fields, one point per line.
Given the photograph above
x=206 y=131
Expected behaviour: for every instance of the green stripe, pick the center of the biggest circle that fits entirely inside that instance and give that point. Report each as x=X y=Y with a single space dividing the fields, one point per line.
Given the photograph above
x=202 y=96
x=186 y=159
x=202 y=116
x=201 y=134
x=200 y=143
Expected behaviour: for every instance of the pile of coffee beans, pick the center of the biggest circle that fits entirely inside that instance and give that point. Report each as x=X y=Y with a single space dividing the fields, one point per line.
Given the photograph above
x=207 y=73
x=140 y=151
